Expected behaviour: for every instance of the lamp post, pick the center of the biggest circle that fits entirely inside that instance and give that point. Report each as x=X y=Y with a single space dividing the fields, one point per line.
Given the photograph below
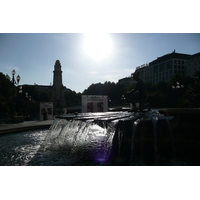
x=123 y=98
x=20 y=89
x=14 y=82
x=177 y=86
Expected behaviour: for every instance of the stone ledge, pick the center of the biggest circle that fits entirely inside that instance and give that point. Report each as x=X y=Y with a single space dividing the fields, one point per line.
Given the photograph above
x=24 y=126
x=18 y=119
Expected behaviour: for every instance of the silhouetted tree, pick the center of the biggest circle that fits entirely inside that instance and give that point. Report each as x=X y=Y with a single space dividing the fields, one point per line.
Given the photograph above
x=72 y=98
x=112 y=90
x=6 y=94
x=192 y=96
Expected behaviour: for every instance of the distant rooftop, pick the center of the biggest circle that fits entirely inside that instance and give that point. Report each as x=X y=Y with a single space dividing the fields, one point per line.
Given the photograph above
x=170 y=56
x=195 y=55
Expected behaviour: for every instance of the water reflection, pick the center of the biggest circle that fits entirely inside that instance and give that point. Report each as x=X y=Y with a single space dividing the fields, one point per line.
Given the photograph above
x=19 y=148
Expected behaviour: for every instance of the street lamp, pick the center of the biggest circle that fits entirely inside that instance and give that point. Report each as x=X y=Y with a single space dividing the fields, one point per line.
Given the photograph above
x=123 y=97
x=177 y=86
x=13 y=81
x=13 y=77
x=20 y=89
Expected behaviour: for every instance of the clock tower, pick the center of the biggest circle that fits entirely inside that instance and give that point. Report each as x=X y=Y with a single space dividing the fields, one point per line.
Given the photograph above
x=58 y=88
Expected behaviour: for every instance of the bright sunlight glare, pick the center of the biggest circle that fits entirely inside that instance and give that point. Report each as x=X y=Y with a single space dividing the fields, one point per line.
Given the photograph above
x=97 y=45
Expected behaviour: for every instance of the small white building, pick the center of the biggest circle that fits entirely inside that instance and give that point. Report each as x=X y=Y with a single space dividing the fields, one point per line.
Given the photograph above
x=94 y=103
x=46 y=111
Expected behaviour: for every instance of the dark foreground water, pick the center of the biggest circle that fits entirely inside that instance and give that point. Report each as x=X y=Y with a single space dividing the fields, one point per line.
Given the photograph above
x=89 y=140
x=68 y=142
x=77 y=143
x=30 y=149
x=19 y=148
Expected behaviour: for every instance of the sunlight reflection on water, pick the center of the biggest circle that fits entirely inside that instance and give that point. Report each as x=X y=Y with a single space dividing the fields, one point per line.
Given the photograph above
x=19 y=148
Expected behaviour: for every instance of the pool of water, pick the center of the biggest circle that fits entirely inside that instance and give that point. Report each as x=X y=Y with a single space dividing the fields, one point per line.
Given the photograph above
x=90 y=140
x=33 y=148
x=19 y=148
x=26 y=149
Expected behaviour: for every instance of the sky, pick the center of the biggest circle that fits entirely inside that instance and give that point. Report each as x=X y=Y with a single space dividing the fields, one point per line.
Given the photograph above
x=34 y=34
x=86 y=58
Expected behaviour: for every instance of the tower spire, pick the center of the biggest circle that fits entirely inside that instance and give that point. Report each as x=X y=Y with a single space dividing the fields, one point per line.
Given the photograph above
x=58 y=88
x=57 y=77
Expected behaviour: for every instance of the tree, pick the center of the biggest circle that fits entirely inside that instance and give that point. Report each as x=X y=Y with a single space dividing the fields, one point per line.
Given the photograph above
x=72 y=98
x=6 y=94
x=112 y=90
x=192 y=97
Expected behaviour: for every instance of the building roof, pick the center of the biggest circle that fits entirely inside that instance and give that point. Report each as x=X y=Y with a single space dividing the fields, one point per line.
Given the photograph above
x=194 y=55
x=170 y=56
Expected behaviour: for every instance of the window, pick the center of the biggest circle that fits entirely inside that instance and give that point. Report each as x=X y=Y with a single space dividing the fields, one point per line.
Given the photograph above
x=162 y=67
x=155 y=69
x=169 y=65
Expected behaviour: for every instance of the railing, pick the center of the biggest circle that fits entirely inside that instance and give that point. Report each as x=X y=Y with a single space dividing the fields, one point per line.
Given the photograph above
x=141 y=66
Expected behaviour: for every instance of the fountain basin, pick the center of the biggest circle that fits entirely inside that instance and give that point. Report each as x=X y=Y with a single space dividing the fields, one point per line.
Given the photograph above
x=114 y=138
x=171 y=138
x=137 y=136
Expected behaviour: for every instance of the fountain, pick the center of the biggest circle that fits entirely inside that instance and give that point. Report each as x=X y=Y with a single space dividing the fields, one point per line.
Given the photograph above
x=111 y=138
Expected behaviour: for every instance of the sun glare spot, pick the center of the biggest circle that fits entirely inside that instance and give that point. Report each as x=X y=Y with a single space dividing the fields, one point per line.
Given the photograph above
x=97 y=45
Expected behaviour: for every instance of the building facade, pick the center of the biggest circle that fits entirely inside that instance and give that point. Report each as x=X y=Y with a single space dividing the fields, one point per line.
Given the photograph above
x=164 y=67
x=193 y=64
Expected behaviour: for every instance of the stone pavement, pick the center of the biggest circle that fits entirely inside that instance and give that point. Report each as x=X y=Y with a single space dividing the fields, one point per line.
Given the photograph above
x=24 y=126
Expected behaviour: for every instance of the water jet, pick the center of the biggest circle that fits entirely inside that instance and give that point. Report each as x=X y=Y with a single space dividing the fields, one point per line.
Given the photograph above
x=111 y=138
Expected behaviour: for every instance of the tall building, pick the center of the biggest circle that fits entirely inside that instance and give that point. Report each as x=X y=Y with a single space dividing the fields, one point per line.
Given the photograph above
x=58 y=88
x=164 y=67
x=193 y=64
x=54 y=93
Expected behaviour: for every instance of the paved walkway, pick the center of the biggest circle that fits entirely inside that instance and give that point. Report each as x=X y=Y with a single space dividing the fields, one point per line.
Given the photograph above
x=24 y=126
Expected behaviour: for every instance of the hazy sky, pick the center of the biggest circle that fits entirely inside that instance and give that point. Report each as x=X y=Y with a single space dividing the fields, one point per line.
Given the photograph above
x=86 y=58
x=33 y=57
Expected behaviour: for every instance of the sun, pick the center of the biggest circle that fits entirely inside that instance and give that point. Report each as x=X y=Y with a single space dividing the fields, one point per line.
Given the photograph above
x=97 y=45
